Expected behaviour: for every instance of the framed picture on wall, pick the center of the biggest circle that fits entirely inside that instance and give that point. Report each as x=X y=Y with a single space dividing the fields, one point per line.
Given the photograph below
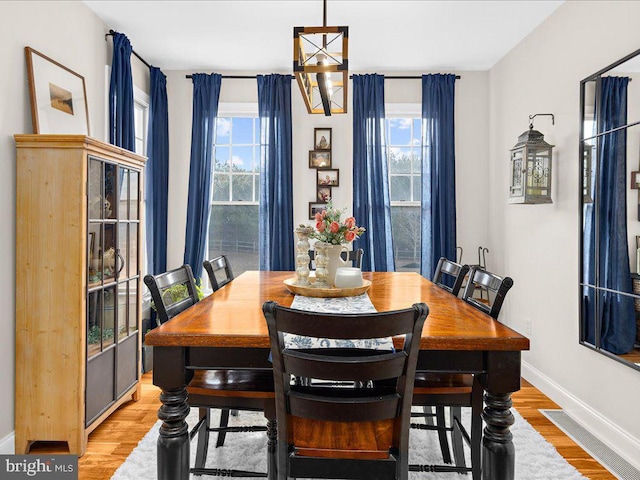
x=316 y=207
x=323 y=194
x=328 y=177
x=322 y=138
x=319 y=159
x=58 y=96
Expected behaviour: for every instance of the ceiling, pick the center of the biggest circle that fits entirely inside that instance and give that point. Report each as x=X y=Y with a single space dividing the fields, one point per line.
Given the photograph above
x=257 y=36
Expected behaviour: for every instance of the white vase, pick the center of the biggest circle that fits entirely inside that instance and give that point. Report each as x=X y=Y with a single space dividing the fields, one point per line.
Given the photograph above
x=302 y=257
x=335 y=261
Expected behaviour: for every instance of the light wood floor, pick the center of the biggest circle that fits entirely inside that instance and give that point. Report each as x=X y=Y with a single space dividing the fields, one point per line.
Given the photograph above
x=111 y=443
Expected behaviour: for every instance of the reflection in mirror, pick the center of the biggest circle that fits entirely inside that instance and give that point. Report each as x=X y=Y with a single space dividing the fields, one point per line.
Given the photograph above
x=610 y=254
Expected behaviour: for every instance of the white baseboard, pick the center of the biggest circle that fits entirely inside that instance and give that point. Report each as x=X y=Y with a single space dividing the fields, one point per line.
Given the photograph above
x=8 y=444
x=614 y=436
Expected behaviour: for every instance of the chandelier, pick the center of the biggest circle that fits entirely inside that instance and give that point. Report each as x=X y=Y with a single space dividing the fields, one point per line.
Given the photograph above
x=320 y=65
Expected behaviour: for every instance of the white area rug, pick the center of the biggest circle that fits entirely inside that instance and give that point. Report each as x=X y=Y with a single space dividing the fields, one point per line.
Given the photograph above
x=536 y=459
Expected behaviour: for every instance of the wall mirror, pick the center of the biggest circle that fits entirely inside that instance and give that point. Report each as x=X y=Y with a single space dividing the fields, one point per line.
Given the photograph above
x=610 y=211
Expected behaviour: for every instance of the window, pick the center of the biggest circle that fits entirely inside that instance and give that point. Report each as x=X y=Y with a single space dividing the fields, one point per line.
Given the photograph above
x=141 y=122
x=233 y=226
x=141 y=119
x=405 y=183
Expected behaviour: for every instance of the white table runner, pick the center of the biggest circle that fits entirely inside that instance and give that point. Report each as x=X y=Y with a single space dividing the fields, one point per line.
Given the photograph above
x=358 y=304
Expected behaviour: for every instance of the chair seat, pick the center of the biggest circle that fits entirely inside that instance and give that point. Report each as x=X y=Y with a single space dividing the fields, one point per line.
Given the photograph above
x=427 y=383
x=235 y=383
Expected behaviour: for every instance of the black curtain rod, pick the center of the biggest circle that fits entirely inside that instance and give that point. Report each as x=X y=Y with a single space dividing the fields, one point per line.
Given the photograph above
x=406 y=77
x=241 y=77
x=112 y=32
x=391 y=77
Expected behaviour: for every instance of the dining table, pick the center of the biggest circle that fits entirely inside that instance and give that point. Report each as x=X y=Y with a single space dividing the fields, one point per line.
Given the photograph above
x=227 y=329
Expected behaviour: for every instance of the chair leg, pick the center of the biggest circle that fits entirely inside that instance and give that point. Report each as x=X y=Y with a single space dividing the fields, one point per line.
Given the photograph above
x=457 y=442
x=428 y=415
x=203 y=438
x=442 y=435
x=224 y=421
x=476 y=429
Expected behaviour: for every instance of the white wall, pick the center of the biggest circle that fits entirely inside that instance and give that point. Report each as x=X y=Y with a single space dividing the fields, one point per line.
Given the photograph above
x=71 y=34
x=472 y=104
x=538 y=244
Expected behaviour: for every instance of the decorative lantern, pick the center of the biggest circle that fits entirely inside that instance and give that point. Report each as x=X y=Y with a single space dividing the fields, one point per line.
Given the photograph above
x=531 y=162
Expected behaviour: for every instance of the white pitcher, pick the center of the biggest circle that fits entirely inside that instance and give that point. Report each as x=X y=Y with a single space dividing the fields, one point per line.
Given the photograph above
x=335 y=261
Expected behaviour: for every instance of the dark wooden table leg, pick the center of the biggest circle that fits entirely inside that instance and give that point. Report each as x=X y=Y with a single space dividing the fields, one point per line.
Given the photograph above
x=498 y=453
x=173 y=442
x=502 y=378
x=171 y=375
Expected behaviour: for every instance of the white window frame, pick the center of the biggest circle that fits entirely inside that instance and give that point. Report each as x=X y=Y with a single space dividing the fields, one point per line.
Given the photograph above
x=401 y=110
x=235 y=110
x=228 y=109
x=141 y=102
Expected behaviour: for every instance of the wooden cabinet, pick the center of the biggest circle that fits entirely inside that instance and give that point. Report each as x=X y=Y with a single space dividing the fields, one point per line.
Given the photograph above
x=78 y=286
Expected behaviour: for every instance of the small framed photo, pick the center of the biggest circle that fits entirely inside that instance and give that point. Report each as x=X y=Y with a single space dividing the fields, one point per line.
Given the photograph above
x=322 y=138
x=328 y=177
x=635 y=180
x=58 y=96
x=323 y=194
x=319 y=159
x=315 y=207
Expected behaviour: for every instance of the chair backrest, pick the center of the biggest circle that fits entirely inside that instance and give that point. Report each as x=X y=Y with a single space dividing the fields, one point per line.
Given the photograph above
x=355 y=256
x=172 y=292
x=490 y=282
x=448 y=272
x=219 y=271
x=358 y=412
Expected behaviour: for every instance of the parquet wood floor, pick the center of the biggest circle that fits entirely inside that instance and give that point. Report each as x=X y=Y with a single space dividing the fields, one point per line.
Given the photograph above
x=111 y=443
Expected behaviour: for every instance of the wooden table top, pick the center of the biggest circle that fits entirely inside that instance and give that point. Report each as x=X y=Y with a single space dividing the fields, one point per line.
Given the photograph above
x=232 y=316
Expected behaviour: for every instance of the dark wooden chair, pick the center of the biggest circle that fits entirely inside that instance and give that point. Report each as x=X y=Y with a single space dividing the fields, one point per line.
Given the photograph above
x=331 y=430
x=355 y=257
x=460 y=390
x=172 y=293
x=219 y=271
x=496 y=286
x=450 y=275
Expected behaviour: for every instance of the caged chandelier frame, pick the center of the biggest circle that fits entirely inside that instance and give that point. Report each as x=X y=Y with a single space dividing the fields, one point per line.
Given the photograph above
x=320 y=65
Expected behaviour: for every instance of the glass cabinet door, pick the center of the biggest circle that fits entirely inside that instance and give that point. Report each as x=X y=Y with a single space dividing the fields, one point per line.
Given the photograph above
x=112 y=260
x=113 y=282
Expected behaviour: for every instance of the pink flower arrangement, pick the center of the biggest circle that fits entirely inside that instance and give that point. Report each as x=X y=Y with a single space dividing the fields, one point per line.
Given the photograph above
x=330 y=229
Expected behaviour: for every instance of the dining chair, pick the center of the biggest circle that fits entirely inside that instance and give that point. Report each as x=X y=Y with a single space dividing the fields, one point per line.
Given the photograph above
x=331 y=430
x=496 y=286
x=354 y=256
x=450 y=275
x=173 y=292
x=219 y=271
x=461 y=390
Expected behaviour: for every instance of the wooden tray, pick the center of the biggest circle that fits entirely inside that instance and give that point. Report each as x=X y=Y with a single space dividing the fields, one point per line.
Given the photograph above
x=325 y=292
